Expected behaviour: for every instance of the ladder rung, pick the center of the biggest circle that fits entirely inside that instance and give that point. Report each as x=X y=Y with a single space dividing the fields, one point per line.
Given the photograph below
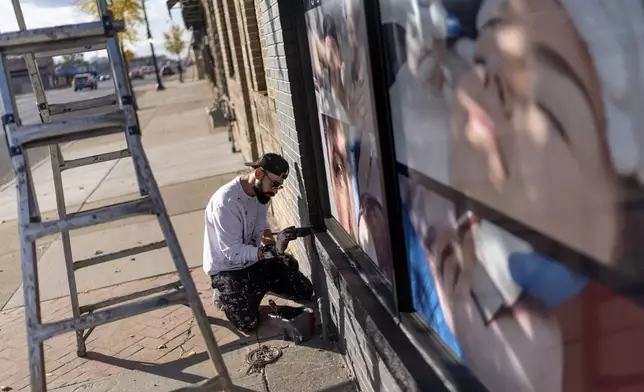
x=125 y=298
x=91 y=217
x=62 y=108
x=118 y=255
x=73 y=137
x=49 y=330
x=77 y=128
x=108 y=156
x=51 y=38
x=88 y=46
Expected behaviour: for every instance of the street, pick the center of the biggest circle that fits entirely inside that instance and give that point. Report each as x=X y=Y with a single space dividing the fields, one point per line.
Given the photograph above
x=28 y=112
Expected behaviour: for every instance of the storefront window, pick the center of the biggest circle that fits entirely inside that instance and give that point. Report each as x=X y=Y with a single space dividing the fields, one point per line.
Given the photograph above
x=531 y=110
x=343 y=84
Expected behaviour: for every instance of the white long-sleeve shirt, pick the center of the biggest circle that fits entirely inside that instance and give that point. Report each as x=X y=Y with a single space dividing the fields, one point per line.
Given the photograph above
x=234 y=222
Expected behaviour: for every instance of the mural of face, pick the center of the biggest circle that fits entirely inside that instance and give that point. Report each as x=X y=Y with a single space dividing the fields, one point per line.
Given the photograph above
x=528 y=133
x=425 y=32
x=340 y=173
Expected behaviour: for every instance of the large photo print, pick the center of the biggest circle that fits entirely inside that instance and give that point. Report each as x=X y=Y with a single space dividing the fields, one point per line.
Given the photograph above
x=342 y=77
x=532 y=108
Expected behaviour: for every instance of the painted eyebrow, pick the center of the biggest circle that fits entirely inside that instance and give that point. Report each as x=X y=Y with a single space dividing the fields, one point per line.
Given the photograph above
x=559 y=64
x=493 y=23
x=555 y=123
x=553 y=59
x=546 y=55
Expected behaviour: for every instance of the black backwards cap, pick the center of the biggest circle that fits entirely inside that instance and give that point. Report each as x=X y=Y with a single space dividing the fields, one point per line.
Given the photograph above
x=272 y=163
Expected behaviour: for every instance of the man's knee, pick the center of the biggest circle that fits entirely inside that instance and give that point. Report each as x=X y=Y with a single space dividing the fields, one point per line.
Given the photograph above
x=305 y=292
x=242 y=311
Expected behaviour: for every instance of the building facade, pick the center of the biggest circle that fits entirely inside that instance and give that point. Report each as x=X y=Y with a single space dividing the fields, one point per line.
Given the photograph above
x=464 y=238
x=20 y=81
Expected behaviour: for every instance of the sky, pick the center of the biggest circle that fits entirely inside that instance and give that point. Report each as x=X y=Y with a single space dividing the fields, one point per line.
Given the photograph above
x=47 y=13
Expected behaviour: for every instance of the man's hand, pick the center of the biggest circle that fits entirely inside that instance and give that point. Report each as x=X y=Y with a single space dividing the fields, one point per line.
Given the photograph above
x=267 y=252
x=284 y=237
x=267 y=239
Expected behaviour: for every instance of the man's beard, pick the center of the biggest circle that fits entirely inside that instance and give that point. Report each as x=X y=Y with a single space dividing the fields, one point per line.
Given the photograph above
x=262 y=197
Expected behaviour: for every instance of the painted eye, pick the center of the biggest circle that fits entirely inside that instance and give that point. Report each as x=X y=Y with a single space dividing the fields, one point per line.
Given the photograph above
x=338 y=170
x=430 y=238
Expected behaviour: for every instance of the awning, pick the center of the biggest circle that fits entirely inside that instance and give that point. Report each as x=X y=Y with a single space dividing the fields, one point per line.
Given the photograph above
x=171 y=3
x=193 y=15
x=69 y=71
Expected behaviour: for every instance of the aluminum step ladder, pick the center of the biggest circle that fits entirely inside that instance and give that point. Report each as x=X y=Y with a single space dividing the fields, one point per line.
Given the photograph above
x=75 y=121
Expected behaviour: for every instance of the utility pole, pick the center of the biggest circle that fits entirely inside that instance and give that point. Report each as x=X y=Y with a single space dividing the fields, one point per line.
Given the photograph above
x=160 y=86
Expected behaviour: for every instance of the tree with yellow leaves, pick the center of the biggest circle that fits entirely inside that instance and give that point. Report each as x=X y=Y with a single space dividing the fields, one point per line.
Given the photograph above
x=174 y=43
x=131 y=11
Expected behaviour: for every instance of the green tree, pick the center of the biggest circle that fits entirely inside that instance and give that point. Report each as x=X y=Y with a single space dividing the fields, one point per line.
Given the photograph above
x=131 y=11
x=73 y=58
x=174 y=43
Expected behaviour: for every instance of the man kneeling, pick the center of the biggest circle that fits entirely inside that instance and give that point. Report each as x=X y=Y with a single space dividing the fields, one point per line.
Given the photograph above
x=239 y=246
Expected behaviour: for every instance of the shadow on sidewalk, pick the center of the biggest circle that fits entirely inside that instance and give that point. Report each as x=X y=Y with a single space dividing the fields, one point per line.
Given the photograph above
x=347 y=386
x=175 y=369
x=171 y=370
x=225 y=324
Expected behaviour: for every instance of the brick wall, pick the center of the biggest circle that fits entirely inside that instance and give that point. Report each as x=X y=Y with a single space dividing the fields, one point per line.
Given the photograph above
x=289 y=206
x=368 y=337
x=224 y=38
x=251 y=33
x=229 y=53
x=215 y=45
x=264 y=111
x=238 y=89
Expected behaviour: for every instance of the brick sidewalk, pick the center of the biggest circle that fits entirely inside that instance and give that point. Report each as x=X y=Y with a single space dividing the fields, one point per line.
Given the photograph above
x=154 y=338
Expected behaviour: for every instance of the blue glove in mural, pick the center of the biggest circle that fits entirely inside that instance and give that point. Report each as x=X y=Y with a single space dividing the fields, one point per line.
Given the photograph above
x=544 y=279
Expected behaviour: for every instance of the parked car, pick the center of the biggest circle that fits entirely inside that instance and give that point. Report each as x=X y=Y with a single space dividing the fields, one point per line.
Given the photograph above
x=105 y=77
x=167 y=70
x=82 y=81
x=137 y=74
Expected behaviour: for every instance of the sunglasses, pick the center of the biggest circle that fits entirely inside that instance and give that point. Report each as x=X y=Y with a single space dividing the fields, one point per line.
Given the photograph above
x=274 y=184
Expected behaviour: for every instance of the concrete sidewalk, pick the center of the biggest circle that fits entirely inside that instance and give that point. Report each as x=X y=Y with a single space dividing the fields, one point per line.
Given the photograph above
x=156 y=351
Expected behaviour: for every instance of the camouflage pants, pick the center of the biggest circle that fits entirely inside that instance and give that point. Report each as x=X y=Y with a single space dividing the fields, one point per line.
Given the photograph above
x=241 y=291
